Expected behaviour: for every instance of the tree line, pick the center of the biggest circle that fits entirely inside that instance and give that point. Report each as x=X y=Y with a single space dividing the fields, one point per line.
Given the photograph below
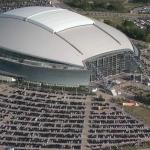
x=131 y=30
x=97 y=5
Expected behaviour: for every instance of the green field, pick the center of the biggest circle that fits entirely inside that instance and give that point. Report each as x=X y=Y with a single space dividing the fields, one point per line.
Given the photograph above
x=113 y=21
x=141 y=113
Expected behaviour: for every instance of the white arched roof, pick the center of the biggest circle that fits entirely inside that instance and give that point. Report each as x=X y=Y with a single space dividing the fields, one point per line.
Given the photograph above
x=58 y=34
x=50 y=18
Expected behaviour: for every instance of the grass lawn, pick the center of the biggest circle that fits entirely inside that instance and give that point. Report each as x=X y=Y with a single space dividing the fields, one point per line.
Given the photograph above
x=141 y=113
x=114 y=20
x=142 y=147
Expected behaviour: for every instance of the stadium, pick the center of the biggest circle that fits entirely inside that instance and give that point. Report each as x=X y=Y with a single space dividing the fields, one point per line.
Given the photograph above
x=59 y=47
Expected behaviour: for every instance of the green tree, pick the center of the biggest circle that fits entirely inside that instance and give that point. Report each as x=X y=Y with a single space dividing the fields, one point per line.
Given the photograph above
x=129 y=28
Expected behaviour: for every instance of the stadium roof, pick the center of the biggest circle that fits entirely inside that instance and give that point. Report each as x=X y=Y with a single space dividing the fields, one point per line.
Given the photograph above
x=50 y=18
x=58 y=35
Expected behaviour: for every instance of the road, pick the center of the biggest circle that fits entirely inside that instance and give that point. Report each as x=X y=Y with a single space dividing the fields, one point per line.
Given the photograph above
x=145 y=149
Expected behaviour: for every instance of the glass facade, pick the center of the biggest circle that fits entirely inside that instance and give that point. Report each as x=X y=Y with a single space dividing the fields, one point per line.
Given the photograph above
x=34 y=61
x=55 y=73
x=37 y=70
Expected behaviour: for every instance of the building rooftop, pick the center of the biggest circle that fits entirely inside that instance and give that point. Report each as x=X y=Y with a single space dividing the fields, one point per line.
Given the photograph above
x=51 y=18
x=58 y=35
